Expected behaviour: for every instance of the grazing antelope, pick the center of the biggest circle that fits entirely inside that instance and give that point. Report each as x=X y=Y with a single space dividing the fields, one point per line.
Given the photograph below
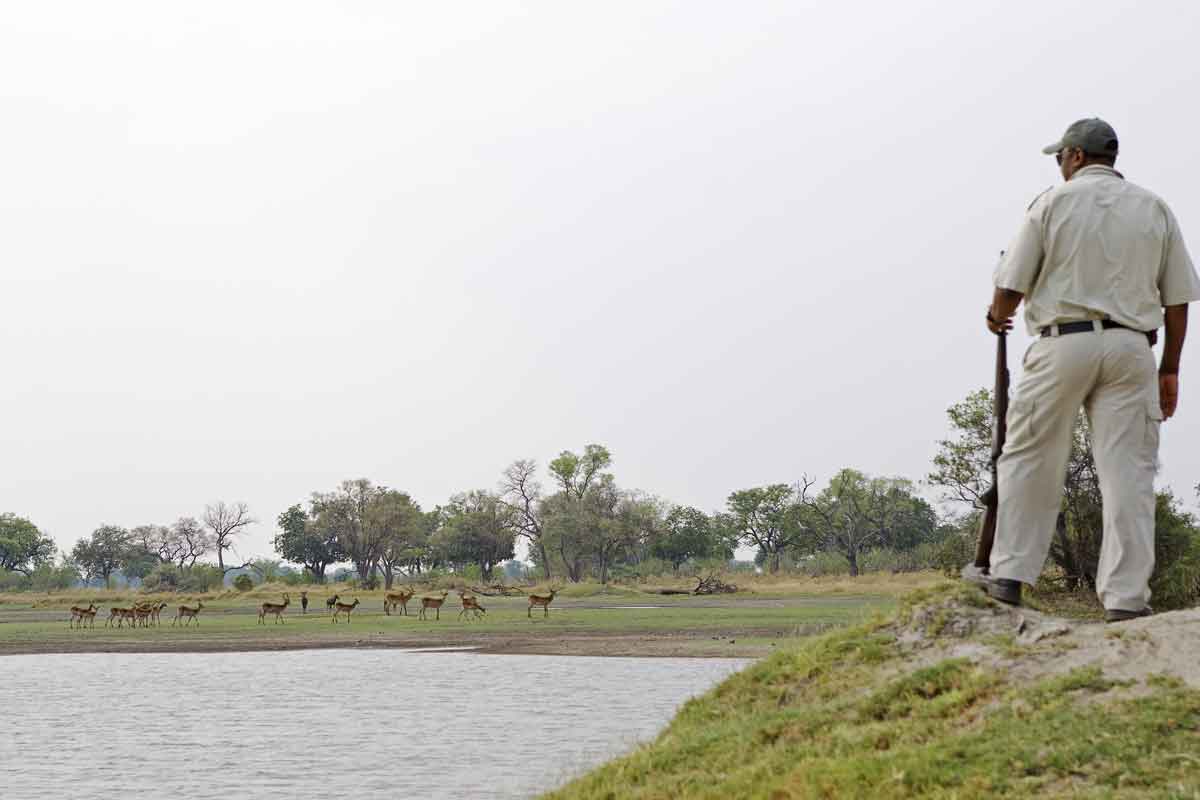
x=541 y=600
x=344 y=608
x=400 y=599
x=89 y=616
x=129 y=614
x=470 y=603
x=114 y=612
x=329 y=602
x=77 y=614
x=273 y=608
x=434 y=603
x=188 y=614
x=142 y=614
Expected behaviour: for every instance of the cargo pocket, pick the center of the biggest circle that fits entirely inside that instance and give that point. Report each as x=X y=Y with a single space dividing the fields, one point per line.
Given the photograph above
x=1020 y=423
x=1154 y=418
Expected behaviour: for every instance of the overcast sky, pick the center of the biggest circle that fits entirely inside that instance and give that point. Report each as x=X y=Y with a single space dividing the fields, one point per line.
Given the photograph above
x=249 y=250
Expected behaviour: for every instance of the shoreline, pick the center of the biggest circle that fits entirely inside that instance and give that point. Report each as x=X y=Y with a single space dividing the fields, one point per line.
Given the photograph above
x=755 y=643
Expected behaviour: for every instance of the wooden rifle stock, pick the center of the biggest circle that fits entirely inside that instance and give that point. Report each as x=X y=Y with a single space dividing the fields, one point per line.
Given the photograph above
x=991 y=498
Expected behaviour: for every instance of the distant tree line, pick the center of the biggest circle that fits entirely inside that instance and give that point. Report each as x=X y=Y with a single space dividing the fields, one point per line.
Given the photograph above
x=581 y=524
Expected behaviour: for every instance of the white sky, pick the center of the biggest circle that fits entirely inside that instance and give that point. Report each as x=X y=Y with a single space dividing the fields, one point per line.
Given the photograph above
x=251 y=249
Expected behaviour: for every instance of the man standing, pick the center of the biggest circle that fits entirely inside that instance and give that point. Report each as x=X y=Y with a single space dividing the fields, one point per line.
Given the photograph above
x=1101 y=265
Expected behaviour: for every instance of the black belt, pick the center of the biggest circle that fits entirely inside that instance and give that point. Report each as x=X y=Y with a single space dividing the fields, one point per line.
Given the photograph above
x=1088 y=325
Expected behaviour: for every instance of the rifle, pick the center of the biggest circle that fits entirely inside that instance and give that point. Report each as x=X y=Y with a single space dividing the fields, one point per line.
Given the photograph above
x=991 y=498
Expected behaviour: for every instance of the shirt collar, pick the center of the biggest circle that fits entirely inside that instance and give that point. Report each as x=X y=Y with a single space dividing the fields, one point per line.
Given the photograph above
x=1097 y=170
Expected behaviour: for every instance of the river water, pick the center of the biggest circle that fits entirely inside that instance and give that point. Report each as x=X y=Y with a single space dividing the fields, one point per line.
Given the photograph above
x=362 y=723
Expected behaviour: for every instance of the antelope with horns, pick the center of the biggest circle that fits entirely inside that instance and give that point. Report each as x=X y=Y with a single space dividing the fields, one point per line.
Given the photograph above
x=77 y=614
x=273 y=608
x=470 y=603
x=435 y=603
x=344 y=608
x=188 y=614
x=542 y=600
x=401 y=599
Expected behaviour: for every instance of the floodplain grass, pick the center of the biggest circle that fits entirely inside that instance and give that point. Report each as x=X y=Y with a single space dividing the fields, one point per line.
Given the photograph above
x=765 y=615
x=841 y=715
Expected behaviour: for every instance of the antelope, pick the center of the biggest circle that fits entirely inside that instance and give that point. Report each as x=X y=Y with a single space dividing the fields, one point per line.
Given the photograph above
x=304 y=602
x=188 y=614
x=77 y=614
x=114 y=612
x=127 y=614
x=329 y=602
x=90 y=614
x=541 y=600
x=156 y=611
x=344 y=608
x=434 y=603
x=400 y=599
x=142 y=614
x=273 y=608
x=470 y=603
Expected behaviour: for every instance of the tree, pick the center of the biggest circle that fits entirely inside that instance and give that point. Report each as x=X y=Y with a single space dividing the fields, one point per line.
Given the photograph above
x=102 y=554
x=522 y=492
x=344 y=512
x=310 y=542
x=768 y=518
x=856 y=513
x=397 y=521
x=962 y=469
x=191 y=542
x=226 y=522
x=478 y=528
x=575 y=515
x=688 y=533
x=23 y=548
x=267 y=569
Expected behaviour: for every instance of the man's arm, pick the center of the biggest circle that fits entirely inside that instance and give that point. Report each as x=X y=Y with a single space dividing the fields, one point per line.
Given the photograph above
x=1004 y=306
x=1168 y=371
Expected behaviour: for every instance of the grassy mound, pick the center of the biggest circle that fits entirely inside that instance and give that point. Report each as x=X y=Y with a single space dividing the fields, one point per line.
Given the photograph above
x=932 y=702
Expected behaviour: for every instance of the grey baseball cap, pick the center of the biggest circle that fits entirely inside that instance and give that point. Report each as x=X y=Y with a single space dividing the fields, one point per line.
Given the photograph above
x=1094 y=136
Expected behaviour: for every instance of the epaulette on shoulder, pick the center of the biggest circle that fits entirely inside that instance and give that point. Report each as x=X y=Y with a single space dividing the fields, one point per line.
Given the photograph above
x=1039 y=197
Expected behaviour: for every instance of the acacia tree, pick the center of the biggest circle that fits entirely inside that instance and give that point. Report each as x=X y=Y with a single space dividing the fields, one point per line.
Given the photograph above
x=227 y=521
x=103 y=553
x=768 y=518
x=23 y=548
x=522 y=492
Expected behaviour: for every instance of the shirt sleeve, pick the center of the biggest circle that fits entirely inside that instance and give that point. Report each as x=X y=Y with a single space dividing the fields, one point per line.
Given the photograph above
x=1018 y=270
x=1177 y=280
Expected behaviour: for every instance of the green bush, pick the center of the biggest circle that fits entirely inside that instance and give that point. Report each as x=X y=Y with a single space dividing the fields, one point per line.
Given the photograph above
x=163 y=578
x=243 y=583
x=13 y=581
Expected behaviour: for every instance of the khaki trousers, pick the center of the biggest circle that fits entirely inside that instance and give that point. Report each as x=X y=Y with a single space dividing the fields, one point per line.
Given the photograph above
x=1112 y=375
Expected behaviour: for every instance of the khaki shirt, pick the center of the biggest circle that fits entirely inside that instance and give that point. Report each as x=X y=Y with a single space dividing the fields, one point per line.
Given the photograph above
x=1098 y=247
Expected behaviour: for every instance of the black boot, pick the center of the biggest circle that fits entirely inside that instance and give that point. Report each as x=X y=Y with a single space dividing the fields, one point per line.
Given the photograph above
x=1005 y=590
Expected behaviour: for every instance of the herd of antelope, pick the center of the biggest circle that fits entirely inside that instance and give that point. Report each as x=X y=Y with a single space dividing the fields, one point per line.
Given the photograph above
x=147 y=614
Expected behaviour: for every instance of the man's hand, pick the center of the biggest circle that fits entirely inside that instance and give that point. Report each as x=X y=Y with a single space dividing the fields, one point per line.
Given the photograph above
x=998 y=325
x=1168 y=394
x=1000 y=313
